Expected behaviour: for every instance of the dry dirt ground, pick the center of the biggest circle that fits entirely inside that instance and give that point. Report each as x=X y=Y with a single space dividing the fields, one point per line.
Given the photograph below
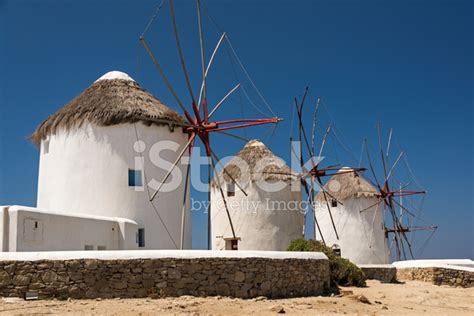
x=395 y=299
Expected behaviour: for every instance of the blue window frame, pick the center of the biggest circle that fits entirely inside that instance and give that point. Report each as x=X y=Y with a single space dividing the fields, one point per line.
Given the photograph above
x=135 y=178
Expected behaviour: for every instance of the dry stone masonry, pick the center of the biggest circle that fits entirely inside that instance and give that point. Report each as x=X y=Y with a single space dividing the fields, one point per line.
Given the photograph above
x=159 y=277
x=385 y=273
x=438 y=276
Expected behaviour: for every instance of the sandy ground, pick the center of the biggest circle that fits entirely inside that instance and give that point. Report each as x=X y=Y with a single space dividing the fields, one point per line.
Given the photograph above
x=409 y=298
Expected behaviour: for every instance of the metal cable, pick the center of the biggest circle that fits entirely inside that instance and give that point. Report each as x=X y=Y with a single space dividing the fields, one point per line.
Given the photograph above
x=152 y=19
x=238 y=60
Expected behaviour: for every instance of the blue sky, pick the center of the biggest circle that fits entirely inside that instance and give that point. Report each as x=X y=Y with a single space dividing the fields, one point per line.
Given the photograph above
x=405 y=64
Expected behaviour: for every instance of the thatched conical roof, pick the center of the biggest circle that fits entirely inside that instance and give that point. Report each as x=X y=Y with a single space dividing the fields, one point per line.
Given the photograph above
x=256 y=162
x=115 y=98
x=346 y=184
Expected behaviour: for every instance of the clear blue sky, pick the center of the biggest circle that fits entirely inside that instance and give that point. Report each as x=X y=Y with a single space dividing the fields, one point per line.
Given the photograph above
x=407 y=64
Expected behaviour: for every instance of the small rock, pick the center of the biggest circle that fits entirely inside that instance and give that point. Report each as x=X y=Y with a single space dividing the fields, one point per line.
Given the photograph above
x=260 y=298
x=22 y=280
x=378 y=302
x=384 y=307
x=4 y=278
x=174 y=274
x=98 y=299
x=277 y=309
x=90 y=264
x=362 y=299
x=154 y=296
x=239 y=276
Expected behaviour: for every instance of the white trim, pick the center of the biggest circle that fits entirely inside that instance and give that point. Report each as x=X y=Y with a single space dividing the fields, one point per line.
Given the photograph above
x=157 y=254
x=454 y=264
x=14 y=208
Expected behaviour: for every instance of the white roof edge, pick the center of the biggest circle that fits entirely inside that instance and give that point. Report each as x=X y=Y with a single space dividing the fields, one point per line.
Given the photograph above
x=157 y=254
x=13 y=208
x=437 y=263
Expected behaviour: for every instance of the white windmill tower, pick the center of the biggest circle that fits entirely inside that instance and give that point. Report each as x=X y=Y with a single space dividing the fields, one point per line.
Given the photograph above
x=95 y=160
x=362 y=237
x=269 y=216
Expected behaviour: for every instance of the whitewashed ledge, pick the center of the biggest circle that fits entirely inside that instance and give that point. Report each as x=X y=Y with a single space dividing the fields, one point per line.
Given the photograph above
x=157 y=254
x=455 y=264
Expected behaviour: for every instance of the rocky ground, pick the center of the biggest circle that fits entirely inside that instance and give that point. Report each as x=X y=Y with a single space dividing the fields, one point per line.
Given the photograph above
x=413 y=297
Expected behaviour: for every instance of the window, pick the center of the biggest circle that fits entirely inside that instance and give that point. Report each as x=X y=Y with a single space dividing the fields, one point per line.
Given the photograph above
x=333 y=203
x=134 y=178
x=101 y=248
x=45 y=146
x=141 y=237
x=88 y=247
x=230 y=189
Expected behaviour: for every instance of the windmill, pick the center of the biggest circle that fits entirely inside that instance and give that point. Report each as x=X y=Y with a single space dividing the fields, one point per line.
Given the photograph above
x=391 y=199
x=315 y=173
x=198 y=120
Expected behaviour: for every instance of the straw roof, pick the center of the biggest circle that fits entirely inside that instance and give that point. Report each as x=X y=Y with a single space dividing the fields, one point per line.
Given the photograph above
x=346 y=185
x=256 y=162
x=115 y=98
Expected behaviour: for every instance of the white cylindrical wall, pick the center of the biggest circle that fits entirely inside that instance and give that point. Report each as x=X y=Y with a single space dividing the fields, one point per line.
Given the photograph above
x=85 y=171
x=361 y=235
x=259 y=222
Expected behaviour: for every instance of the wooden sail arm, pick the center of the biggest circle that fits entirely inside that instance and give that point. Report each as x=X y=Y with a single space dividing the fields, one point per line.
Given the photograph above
x=328 y=172
x=409 y=229
x=245 y=123
x=407 y=193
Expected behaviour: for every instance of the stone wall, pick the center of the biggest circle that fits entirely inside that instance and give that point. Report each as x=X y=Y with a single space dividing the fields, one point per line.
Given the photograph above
x=93 y=278
x=438 y=275
x=385 y=273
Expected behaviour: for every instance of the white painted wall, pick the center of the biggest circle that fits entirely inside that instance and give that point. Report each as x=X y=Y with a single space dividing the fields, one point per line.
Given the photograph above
x=85 y=171
x=32 y=229
x=259 y=226
x=361 y=235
